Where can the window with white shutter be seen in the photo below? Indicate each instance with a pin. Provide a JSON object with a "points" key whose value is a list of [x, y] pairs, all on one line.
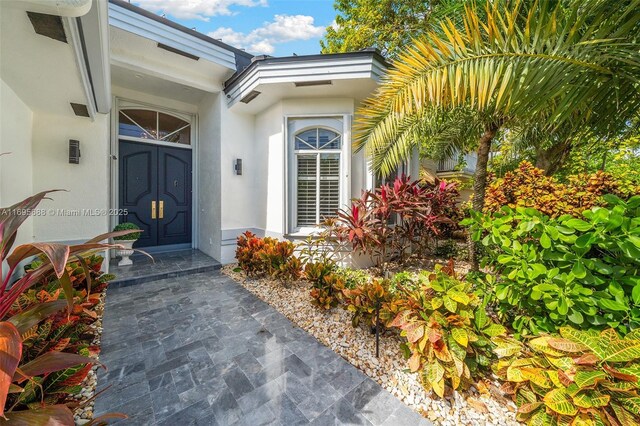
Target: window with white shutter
{"points": [[317, 174]]}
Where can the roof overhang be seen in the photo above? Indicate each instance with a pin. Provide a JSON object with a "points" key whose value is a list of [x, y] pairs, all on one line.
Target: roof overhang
{"points": [[331, 75], [49, 73], [143, 23], [90, 33]]}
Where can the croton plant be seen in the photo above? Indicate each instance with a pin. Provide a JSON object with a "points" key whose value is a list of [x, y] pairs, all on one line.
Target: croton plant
{"points": [[577, 378], [16, 374], [448, 331]]}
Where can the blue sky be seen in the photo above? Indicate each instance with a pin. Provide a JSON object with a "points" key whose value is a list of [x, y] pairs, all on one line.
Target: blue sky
{"points": [[273, 27]]}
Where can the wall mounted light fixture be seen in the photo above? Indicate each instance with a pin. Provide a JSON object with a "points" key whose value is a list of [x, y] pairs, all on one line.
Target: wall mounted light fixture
{"points": [[74, 151]]}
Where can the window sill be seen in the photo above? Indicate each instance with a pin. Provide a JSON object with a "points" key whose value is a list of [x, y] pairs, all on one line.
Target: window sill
{"points": [[304, 233]]}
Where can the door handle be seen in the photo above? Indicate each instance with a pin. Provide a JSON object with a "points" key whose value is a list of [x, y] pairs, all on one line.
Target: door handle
{"points": [[153, 209], [161, 209]]}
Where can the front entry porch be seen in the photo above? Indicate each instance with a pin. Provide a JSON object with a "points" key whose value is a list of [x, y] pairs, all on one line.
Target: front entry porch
{"points": [[164, 265]]}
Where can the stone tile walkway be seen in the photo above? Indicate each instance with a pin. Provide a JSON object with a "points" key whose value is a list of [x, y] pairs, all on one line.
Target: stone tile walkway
{"points": [[202, 350]]}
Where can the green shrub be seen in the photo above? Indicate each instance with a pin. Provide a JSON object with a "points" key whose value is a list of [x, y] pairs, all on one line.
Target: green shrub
{"points": [[126, 226], [352, 277], [552, 272]]}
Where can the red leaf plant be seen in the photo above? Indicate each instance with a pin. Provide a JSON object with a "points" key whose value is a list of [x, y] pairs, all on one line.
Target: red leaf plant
{"points": [[399, 219], [16, 375]]}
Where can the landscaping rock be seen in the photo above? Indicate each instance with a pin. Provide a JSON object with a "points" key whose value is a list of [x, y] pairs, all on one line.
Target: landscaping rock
{"points": [[84, 413]]}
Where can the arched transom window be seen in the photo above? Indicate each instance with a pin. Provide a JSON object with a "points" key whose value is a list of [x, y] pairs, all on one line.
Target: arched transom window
{"points": [[154, 126], [317, 157]]}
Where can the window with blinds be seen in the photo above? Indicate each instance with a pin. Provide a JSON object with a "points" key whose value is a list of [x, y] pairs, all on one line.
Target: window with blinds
{"points": [[317, 153]]}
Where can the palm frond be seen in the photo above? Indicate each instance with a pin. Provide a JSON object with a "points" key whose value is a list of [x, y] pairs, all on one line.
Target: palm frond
{"points": [[511, 61]]}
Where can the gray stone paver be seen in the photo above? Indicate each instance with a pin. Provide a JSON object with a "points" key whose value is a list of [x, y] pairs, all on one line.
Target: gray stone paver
{"points": [[202, 350]]}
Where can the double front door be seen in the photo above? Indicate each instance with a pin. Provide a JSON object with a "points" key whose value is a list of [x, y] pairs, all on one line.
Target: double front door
{"points": [[155, 192]]}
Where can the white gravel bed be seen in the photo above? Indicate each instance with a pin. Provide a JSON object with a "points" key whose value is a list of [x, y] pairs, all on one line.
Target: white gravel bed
{"points": [[83, 414], [357, 345]]}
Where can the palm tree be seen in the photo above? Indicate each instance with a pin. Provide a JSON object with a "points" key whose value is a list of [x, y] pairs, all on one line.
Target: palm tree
{"points": [[571, 63]]}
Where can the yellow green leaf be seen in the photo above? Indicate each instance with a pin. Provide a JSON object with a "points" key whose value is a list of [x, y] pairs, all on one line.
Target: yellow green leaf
{"points": [[566, 345], [494, 330], [450, 304], [537, 376], [436, 302], [541, 344], [435, 372], [590, 341], [438, 388], [506, 347], [460, 336], [622, 351], [588, 378], [459, 297], [414, 362], [559, 401], [632, 404], [591, 399], [563, 363], [624, 416]]}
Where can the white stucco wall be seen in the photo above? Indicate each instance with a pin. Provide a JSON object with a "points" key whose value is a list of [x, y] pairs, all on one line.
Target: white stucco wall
{"points": [[16, 180], [208, 158], [239, 194], [87, 183], [258, 199], [270, 149]]}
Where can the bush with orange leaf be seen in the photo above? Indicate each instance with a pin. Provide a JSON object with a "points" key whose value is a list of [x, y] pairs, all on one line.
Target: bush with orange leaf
{"points": [[267, 256], [527, 186]]}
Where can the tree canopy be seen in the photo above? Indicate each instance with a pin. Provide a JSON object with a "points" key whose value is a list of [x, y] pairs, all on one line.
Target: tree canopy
{"points": [[388, 25]]}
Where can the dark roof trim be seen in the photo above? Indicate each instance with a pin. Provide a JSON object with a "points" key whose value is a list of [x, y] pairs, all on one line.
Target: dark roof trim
{"points": [[233, 81], [239, 61]]}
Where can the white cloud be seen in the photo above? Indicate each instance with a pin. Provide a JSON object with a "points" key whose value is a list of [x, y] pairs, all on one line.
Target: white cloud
{"points": [[282, 29], [196, 9]]}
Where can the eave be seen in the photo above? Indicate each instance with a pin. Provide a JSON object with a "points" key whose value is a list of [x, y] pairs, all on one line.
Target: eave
{"points": [[367, 64], [143, 23]]}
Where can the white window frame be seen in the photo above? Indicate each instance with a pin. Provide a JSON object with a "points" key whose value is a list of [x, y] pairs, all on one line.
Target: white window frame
{"points": [[340, 124], [124, 106]]}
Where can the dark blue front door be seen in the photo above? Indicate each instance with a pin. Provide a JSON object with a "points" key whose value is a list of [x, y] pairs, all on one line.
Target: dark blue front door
{"points": [[155, 190]]}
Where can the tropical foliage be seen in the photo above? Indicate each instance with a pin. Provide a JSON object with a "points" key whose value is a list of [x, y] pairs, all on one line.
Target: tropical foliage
{"points": [[59, 332], [46, 362], [528, 186], [446, 328], [582, 377], [551, 272], [367, 301], [507, 63], [267, 256], [397, 220], [324, 283]]}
